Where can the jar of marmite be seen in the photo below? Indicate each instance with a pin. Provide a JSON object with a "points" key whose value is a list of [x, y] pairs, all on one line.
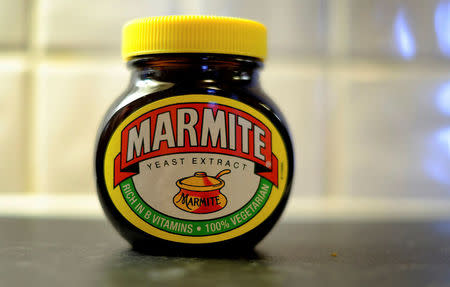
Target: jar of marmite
{"points": [[193, 157]]}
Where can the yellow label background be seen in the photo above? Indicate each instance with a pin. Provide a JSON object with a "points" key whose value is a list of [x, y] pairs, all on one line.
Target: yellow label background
{"points": [[278, 148]]}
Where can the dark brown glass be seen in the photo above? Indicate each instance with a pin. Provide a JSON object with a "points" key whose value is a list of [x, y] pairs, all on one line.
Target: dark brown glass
{"points": [[167, 75]]}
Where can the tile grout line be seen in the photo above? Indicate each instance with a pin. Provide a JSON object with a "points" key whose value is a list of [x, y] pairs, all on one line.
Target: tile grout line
{"points": [[34, 53], [337, 43], [28, 95], [298, 209], [338, 28]]}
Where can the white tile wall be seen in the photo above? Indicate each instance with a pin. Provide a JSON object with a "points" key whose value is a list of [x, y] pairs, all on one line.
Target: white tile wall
{"points": [[91, 25], [359, 130], [13, 23], [71, 101], [299, 93], [13, 150], [294, 27], [393, 136], [400, 29]]}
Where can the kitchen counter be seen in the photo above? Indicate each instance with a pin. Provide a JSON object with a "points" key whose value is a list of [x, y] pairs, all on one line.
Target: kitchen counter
{"points": [[58, 252]]}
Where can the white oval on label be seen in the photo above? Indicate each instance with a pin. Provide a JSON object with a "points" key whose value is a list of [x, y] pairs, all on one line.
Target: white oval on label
{"points": [[156, 181]]}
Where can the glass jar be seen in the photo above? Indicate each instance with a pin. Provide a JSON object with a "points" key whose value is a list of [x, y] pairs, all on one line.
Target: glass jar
{"points": [[194, 157]]}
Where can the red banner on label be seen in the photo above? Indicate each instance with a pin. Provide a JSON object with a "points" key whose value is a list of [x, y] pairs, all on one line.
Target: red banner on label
{"points": [[196, 128]]}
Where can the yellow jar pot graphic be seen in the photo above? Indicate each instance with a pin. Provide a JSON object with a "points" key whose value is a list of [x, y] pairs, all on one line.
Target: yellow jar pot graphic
{"points": [[200, 193]]}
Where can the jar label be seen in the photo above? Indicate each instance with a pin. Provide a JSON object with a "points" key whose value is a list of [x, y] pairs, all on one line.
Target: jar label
{"points": [[196, 168]]}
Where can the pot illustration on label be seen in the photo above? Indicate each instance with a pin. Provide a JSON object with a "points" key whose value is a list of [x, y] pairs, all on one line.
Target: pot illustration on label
{"points": [[200, 193]]}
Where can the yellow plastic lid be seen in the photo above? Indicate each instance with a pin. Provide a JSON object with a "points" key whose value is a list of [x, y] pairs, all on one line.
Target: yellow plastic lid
{"points": [[194, 34]]}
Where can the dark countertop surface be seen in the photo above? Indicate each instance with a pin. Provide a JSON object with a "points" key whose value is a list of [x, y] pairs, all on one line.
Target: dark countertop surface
{"points": [[56, 252]]}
